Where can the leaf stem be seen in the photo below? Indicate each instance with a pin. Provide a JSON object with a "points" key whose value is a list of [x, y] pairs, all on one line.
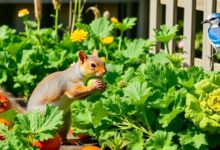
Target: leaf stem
{"points": [[38, 24], [56, 23], [70, 15], [27, 29], [74, 15], [40, 43], [137, 127], [143, 112], [79, 12], [167, 48], [120, 39], [101, 47], [106, 54]]}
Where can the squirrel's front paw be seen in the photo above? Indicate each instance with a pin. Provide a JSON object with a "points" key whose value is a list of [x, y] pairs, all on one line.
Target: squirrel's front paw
{"points": [[98, 85]]}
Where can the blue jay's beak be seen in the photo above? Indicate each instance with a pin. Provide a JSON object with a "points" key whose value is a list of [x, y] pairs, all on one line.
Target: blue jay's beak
{"points": [[205, 21]]}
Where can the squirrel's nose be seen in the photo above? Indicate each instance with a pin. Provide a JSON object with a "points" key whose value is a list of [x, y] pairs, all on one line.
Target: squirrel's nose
{"points": [[104, 71]]}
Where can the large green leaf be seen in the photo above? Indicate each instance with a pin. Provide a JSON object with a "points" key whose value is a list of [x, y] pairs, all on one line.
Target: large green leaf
{"points": [[6, 60], [3, 76], [161, 140], [128, 74], [165, 33], [167, 118], [193, 139], [158, 76], [126, 24], [166, 100], [13, 140], [15, 48], [6, 32], [55, 59], [82, 117], [98, 113], [22, 79], [41, 126], [136, 140], [101, 27], [137, 92], [134, 49]]}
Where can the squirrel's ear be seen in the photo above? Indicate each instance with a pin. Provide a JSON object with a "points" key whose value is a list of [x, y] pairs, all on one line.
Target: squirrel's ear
{"points": [[82, 56], [95, 53]]}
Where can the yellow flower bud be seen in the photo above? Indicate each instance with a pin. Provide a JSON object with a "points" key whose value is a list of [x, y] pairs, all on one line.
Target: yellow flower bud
{"points": [[114, 20], [107, 40], [23, 12]]}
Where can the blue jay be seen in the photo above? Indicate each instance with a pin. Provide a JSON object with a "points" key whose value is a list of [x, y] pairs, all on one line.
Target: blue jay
{"points": [[214, 31]]}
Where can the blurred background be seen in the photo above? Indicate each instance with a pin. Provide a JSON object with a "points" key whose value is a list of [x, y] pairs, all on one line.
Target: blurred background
{"points": [[117, 8]]}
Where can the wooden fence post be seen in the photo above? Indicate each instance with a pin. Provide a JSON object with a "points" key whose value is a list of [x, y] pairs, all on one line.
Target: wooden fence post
{"points": [[209, 7], [189, 31], [171, 17], [155, 19]]}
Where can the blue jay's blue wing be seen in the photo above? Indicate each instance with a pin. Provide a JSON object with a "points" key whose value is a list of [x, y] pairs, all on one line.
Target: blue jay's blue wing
{"points": [[214, 36]]}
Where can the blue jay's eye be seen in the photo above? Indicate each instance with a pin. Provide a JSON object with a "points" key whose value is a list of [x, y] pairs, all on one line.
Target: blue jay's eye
{"points": [[212, 19], [93, 65]]}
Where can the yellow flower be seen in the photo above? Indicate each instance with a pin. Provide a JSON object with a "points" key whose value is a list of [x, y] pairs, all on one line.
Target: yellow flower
{"points": [[114, 20], [102, 58], [78, 35], [107, 40], [23, 12]]}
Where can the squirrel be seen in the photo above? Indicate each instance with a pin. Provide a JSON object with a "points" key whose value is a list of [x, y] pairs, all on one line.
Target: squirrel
{"points": [[63, 87]]}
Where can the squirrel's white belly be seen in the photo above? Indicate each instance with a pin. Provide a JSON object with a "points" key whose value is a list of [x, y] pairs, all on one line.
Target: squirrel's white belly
{"points": [[63, 103]]}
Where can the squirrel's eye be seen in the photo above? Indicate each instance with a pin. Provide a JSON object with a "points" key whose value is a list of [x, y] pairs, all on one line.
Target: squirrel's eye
{"points": [[93, 65]]}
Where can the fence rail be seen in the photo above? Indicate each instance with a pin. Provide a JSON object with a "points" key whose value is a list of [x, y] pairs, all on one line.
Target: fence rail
{"points": [[190, 7]]}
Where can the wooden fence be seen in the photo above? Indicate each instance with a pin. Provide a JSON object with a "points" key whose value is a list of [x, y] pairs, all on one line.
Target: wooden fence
{"points": [[190, 8]]}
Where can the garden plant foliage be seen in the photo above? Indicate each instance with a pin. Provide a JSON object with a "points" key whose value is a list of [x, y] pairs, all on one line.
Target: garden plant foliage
{"points": [[146, 103], [28, 128], [151, 101]]}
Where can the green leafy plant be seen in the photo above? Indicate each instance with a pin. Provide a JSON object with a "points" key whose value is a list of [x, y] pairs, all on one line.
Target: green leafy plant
{"points": [[101, 27], [165, 34], [147, 102], [151, 101], [30, 127], [126, 24], [203, 106], [161, 140]]}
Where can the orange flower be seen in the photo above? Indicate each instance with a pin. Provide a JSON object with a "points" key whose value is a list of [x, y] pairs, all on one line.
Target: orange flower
{"points": [[91, 147], [107, 40], [23, 12], [78, 35], [114, 20], [5, 122]]}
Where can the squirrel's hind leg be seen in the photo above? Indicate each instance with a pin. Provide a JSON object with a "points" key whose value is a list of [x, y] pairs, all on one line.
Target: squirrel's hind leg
{"points": [[63, 131]]}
